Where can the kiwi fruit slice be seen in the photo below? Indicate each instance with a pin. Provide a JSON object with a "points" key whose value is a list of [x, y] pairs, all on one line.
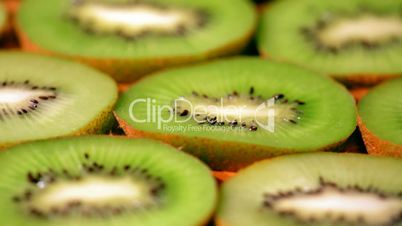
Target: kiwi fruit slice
{"points": [[314, 189], [130, 38], [355, 41], [232, 112], [380, 121], [102, 181], [42, 97]]}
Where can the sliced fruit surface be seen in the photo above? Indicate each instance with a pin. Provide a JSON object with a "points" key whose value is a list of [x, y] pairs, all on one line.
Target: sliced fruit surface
{"points": [[136, 29], [249, 106], [381, 111], [314, 189], [99, 181], [43, 97], [358, 38]]}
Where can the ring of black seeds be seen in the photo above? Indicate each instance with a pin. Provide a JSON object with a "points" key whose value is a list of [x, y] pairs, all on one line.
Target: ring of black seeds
{"points": [[8, 110], [47, 178], [202, 19]]}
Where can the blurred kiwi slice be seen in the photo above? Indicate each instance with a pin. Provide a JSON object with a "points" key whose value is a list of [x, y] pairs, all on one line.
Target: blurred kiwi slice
{"points": [[100, 181], [314, 189], [380, 121], [232, 112], [355, 41], [42, 97], [129, 38]]}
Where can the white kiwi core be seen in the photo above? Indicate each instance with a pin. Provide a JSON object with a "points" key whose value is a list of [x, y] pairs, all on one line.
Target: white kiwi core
{"points": [[20, 95], [334, 204], [367, 29], [133, 19], [94, 191]]}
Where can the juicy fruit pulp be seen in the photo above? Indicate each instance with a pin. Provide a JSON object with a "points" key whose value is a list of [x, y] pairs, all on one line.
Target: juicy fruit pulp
{"points": [[342, 38], [241, 109], [314, 189], [46, 98], [136, 20], [131, 38], [103, 181], [381, 114]]}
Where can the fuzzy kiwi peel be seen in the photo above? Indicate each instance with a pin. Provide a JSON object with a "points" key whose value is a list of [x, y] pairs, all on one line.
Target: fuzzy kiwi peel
{"points": [[232, 140], [379, 119], [100, 180], [314, 189], [336, 38], [136, 51], [42, 99]]}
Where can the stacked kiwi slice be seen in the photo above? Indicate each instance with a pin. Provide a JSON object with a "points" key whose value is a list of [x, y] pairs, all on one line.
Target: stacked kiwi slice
{"points": [[273, 123], [42, 97], [102, 181], [129, 38], [380, 121], [319, 189], [356, 41], [233, 112]]}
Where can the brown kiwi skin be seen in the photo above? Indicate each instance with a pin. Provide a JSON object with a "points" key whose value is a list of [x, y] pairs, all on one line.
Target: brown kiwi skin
{"points": [[363, 79], [213, 152], [376, 145], [130, 70]]}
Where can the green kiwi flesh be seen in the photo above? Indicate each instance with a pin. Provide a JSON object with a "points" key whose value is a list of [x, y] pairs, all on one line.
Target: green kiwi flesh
{"points": [[42, 97], [99, 181], [381, 110], [116, 29], [314, 189], [220, 111], [346, 38]]}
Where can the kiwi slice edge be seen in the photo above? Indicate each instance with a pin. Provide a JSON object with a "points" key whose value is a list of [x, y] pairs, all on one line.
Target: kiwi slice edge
{"points": [[131, 60], [159, 182], [347, 64], [36, 98], [267, 192], [379, 119], [224, 149]]}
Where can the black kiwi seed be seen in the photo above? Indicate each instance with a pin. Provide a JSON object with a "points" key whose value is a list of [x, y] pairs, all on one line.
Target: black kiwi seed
{"points": [[278, 96], [212, 120], [253, 128], [33, 103], [201, 19], [184, 113], [251, 92]]}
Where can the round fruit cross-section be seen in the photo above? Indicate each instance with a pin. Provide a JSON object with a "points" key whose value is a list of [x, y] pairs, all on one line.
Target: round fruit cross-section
{"points": [[314, 189], [380, 114], [356, 41], [232, 112], [41, 97], [102, 181], [130, 38]]}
